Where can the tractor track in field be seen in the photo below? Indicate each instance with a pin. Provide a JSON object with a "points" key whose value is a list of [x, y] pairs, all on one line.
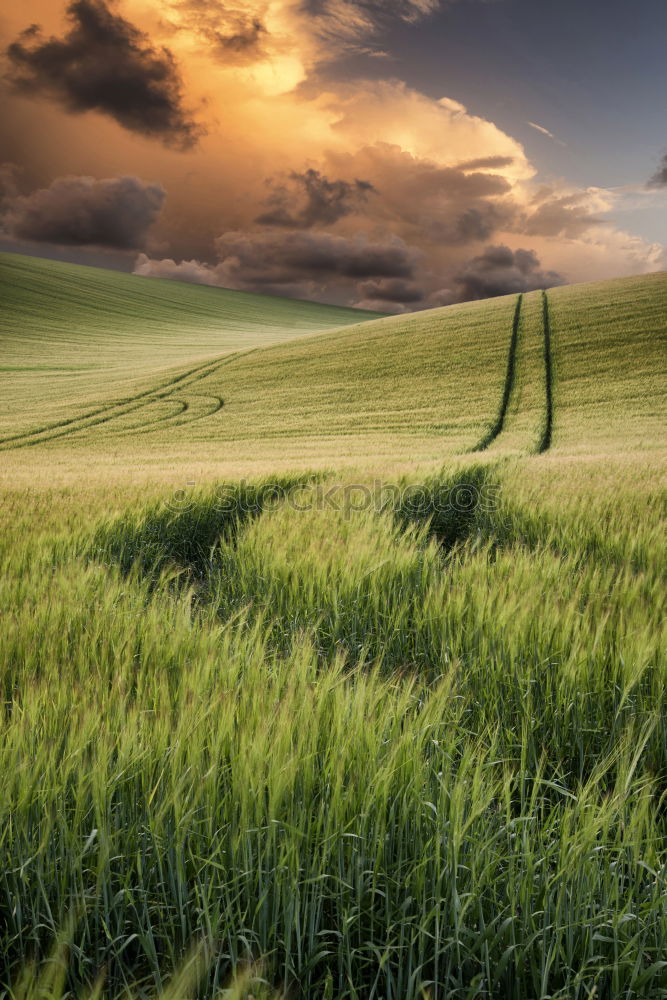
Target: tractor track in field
{"points": [[217, 406], [496, 428], [545, 438], [181, 407], [149, 426], [106, 414], [545, 442], [106, 409]]}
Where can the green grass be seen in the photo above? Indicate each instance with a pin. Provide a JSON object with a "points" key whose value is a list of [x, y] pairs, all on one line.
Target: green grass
{"points": [[373, 394], [287, 737], [107, 333], [610, 364]]}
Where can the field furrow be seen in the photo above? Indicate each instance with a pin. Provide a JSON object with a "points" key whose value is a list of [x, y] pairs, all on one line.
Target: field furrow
{"points": [[545, 442], [116, 412], [525, 417], [496, 428], [111, 410]]}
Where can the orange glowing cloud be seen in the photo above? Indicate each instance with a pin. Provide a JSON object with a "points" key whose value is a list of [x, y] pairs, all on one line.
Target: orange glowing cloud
{"points": [[271, 142]]}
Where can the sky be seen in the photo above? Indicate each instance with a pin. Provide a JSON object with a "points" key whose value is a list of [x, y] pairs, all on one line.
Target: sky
{"points": [[389, 154]]}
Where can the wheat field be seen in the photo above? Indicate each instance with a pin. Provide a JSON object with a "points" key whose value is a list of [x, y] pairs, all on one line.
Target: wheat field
{"points": [[332, 647]]}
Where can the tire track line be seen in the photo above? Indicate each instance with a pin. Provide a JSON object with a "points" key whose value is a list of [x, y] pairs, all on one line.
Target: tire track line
{"points": [[217, 406], [545, 442], [113, 406], [105, 414], [174, 418], [139, 427], [492, 433]]}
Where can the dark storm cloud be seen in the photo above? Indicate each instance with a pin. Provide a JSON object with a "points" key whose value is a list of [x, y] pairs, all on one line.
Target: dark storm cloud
{"points": [[659, 178], [389, 295], [273, 258], [447, 206], [246, 37], [9, 184], [81, 211], [394, 290], [300, 263], [473, 224], [104, 63], [500, 271], [310, 199]]}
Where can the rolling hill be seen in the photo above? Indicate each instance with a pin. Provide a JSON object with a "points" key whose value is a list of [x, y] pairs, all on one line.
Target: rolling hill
{"points": [[71, 334], [332, 659], [579, 369]]}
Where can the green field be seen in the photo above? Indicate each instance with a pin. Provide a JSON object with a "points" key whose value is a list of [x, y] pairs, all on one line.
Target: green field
{"points": [[332, 647], [72, 335]]}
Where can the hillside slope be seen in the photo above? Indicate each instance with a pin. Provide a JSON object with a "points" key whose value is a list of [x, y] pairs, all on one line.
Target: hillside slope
{"points": [[576, 370], [70, 333], [610, 364], [418, 385]]}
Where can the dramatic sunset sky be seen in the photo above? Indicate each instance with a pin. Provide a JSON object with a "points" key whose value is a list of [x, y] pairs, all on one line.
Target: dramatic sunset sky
{"points": [[395, 154]]}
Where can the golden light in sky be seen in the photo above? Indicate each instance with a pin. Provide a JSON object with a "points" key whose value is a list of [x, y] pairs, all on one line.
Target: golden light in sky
{"points": [[250, 118]]}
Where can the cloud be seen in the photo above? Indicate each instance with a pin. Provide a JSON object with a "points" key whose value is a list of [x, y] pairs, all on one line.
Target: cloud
{"points": [[390, 112], [192, 271], [487, 163], [273, 258], [388, 295], [292, 263], [542, 129], [246, 37], [366, 174], [305, 34], [104, 63], [310, 199], [470, 225], [9, 185], [81, 211], [410, 234], [437, 206], [554, 212], [454, 106], [390, 290], [348, 25], [501, 271], [545, 131], [659, 178], [232, 35]]}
